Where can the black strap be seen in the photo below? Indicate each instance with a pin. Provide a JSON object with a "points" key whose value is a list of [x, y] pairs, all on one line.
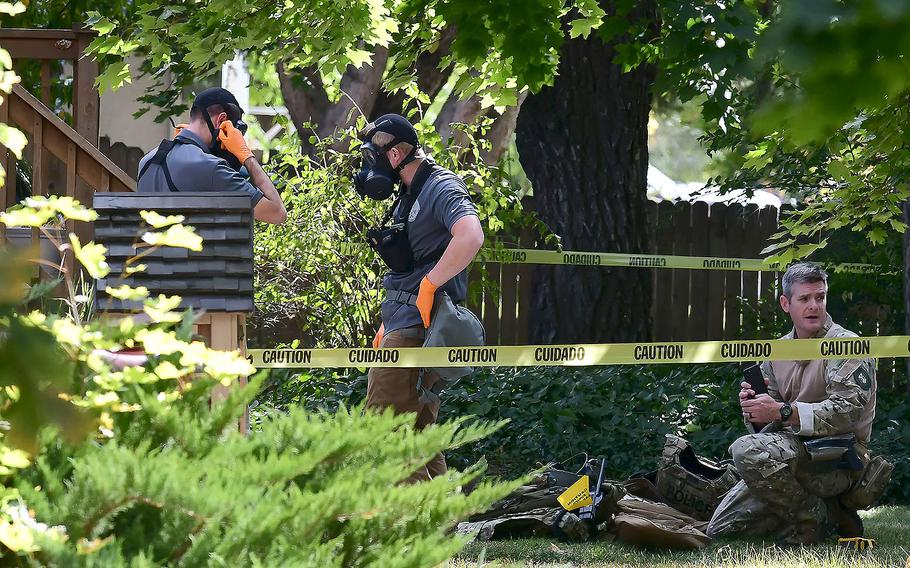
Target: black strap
{"points": [[160, 159], [401, 297]]}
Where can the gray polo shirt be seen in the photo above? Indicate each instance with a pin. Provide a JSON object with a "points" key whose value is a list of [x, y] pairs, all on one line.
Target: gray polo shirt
{"points": [[193, 168], [443, 200]]}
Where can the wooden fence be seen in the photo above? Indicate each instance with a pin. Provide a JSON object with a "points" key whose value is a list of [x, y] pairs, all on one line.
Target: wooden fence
{"points": [[688, 305]]}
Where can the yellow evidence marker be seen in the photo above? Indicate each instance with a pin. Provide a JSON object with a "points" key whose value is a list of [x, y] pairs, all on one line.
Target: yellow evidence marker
{"points": [[577, 496], [857, 543]]}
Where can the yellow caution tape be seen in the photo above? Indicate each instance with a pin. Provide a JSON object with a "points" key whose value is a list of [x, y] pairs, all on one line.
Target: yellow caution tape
{"points": [[582, 355], [578, 258], [576, 496]]}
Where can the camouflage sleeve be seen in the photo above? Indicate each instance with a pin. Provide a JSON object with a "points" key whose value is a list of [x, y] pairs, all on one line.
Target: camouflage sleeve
{"points": [[773, 389], [849, 383]]}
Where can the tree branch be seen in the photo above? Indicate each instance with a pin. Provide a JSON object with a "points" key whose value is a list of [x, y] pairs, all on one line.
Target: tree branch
{"points": [[500, 134]]}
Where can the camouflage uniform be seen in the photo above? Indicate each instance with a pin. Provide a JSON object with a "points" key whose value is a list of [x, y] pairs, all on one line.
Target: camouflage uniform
{"points": [[778, 496]]}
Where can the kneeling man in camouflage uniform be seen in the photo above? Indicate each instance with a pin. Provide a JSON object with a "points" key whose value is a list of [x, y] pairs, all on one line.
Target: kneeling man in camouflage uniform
{"points": [[786, 492]]}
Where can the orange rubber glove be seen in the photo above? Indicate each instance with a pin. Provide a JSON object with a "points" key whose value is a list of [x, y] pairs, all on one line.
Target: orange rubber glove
{"points": [[377, 341], [179, 128], [425, 296], [233, 141]]}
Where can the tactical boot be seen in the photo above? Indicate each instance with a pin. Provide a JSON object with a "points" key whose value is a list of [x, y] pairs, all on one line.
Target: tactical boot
{"points": [[804, 534], [808, 532], [846, 521]]}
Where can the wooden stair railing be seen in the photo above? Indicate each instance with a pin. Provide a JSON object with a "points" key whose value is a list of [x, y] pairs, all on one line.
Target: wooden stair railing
{"points": [[48, 133]]}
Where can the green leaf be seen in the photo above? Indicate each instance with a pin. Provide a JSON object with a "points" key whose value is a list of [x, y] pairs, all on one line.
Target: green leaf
{"points": [[113, 77], [877, 235], [176, 236], [159, 221], [66, 206], [12, 8], [102, 25], [583, 27], [136, 269], [26, 217], [125, 292], [161, 309], [838, 169], [6, 62], [13, 458], [358, 57], [160, 342], [758, 158], [41, 289], [91, 256], [13, 139]]}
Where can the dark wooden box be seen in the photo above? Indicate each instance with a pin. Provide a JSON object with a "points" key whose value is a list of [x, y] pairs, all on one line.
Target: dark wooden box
{"points": [[218, 278]]}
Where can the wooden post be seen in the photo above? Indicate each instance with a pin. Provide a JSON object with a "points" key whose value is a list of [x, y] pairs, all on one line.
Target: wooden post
{"points": [[5, 187], [86, 103], [226, 332], [85, 98], [37, 176], [44, 170]]}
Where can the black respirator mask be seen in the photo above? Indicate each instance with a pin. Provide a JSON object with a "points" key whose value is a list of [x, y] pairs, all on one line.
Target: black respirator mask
{"points": [[217, 149], [377, 178]]}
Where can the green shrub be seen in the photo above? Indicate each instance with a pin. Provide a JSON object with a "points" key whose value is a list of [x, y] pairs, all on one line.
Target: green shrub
{"points": [[175, 487], [619, 412], [310, 287]]}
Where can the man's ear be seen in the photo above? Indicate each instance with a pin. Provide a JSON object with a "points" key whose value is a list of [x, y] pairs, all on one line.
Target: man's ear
{"points": [[394, 156], [785, 304], [221, 117]]}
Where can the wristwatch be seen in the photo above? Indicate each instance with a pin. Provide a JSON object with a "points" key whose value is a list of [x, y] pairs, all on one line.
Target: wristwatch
{"points": [[786, 411]]}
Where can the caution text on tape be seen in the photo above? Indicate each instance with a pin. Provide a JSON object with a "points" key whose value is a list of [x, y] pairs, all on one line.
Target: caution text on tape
{"points": [[576, 258], [607, 259], [587, 354]]}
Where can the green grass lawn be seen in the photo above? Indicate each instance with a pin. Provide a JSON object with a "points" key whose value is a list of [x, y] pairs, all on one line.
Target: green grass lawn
{"points": [[889, 526]]}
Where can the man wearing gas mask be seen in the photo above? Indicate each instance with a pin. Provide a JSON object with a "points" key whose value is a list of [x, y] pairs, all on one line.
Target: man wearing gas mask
{"points": [[207, 155], [430, 234]]}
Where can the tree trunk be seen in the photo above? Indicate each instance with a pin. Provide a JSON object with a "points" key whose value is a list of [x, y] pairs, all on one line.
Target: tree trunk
{"points": [[308, 104], [906, 207], [312, 112], [583, 143], [430, 78], [500, 134]]}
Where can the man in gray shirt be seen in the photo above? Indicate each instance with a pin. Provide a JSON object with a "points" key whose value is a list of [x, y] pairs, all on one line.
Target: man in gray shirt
{"points": [[443, 233], [198, 158]]}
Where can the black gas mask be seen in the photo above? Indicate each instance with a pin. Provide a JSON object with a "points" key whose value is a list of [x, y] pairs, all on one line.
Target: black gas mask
{"points": [[377, 178]]}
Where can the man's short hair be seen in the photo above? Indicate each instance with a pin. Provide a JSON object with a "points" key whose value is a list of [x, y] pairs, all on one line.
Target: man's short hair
{"points": [[801, 272], [233, 111], [381, 138]]}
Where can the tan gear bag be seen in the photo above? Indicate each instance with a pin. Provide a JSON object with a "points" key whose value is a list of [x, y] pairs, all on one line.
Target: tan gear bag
{"points": [[645, 523]]}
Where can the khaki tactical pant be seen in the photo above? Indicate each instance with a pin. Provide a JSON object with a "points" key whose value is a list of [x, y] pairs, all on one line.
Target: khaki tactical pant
{"points": [[776, 494], [396, 387]]}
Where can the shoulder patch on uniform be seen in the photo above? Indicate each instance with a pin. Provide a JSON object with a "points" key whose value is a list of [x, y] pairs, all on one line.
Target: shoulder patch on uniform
{"points": [[414, 211], [862, 378]]}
